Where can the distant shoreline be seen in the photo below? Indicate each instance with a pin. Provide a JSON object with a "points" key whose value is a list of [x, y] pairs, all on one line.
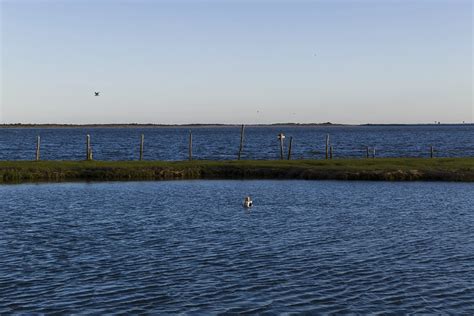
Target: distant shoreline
{"points": [[199, 125]]}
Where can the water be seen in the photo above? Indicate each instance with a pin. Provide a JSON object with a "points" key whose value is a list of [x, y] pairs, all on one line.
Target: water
{"points": [[223, 142], [189, 247]]}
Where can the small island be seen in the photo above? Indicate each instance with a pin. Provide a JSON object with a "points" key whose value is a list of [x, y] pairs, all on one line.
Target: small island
{"points": [[388, 169]]}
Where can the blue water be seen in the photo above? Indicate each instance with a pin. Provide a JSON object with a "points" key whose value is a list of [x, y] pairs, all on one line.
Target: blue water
{"points": [[189, 247], [223, 142]]}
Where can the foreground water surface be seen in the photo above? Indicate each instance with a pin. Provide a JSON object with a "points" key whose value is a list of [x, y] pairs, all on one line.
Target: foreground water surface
{"points": [[218, 143], [189, 246]]}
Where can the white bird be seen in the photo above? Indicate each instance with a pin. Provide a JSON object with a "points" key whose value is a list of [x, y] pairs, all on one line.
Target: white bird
{"points": [[248, 202]]}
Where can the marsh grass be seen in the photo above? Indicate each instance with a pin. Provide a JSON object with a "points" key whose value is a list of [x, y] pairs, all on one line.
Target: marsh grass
{"points": [[448, 169]]}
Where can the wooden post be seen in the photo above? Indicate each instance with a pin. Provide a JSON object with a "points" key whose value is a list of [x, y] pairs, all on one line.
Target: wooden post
{"points": [[281, 148], [373, 153], [88, 147], [142, 143], [327, 146], [241, 141], [431, 151], [367, 153], [38, 144], [281, 137], [330, 152], [289, 147], [190, 149]]}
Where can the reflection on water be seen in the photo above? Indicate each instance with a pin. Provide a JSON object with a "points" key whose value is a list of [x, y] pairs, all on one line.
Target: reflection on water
{"points": [[190, 246]]}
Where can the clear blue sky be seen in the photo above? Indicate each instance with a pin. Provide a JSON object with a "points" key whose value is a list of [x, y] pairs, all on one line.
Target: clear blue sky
{"points": [[179, 61]]}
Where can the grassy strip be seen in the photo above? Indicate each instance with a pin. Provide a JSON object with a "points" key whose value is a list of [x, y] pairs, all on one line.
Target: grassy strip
{"points": [[444, 169]]}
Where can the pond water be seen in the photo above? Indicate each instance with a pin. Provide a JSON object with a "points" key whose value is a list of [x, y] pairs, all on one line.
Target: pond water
{"points": [[219, 143], [190, 247]]}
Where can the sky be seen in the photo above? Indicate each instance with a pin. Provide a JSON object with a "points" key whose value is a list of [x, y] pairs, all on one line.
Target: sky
{"points": [[234, 62]]}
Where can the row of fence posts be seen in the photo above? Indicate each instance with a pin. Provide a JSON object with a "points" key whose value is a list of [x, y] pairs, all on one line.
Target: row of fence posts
{"points": [[281, 137]]}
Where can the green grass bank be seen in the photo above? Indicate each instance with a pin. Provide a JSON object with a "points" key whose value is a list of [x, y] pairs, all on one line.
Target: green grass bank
{"points": [[396, 169]]}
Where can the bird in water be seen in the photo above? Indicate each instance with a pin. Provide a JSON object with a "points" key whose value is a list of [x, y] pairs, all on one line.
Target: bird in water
{"points": [[248, 203], [96, 94]]}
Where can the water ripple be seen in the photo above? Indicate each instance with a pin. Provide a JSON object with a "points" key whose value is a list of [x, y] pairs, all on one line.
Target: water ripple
{"points": [[306, 247]]}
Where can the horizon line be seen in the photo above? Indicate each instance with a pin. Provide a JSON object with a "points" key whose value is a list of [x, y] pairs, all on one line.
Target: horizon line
{"points": [[325, 124]]}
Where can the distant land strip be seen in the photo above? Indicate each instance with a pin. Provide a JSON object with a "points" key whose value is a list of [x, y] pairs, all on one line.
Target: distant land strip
{"points": [[137, 125], [387, 169]]}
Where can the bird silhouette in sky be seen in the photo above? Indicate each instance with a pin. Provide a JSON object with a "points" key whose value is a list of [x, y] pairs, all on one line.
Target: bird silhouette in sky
{"points": [[96, 94]]}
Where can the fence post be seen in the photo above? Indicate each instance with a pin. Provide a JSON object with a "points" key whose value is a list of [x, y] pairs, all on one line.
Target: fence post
{"points": [[88, 147], [241, 141], [431, 151], [281, 137], [289, 147], [190, 146], [330, 152], [327, 146], [367, 153], [373, 153], [38, 144], [142, 143]]}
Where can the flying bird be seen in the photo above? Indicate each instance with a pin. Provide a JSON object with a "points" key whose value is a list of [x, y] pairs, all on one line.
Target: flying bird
{"points": [[96, 94]]}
